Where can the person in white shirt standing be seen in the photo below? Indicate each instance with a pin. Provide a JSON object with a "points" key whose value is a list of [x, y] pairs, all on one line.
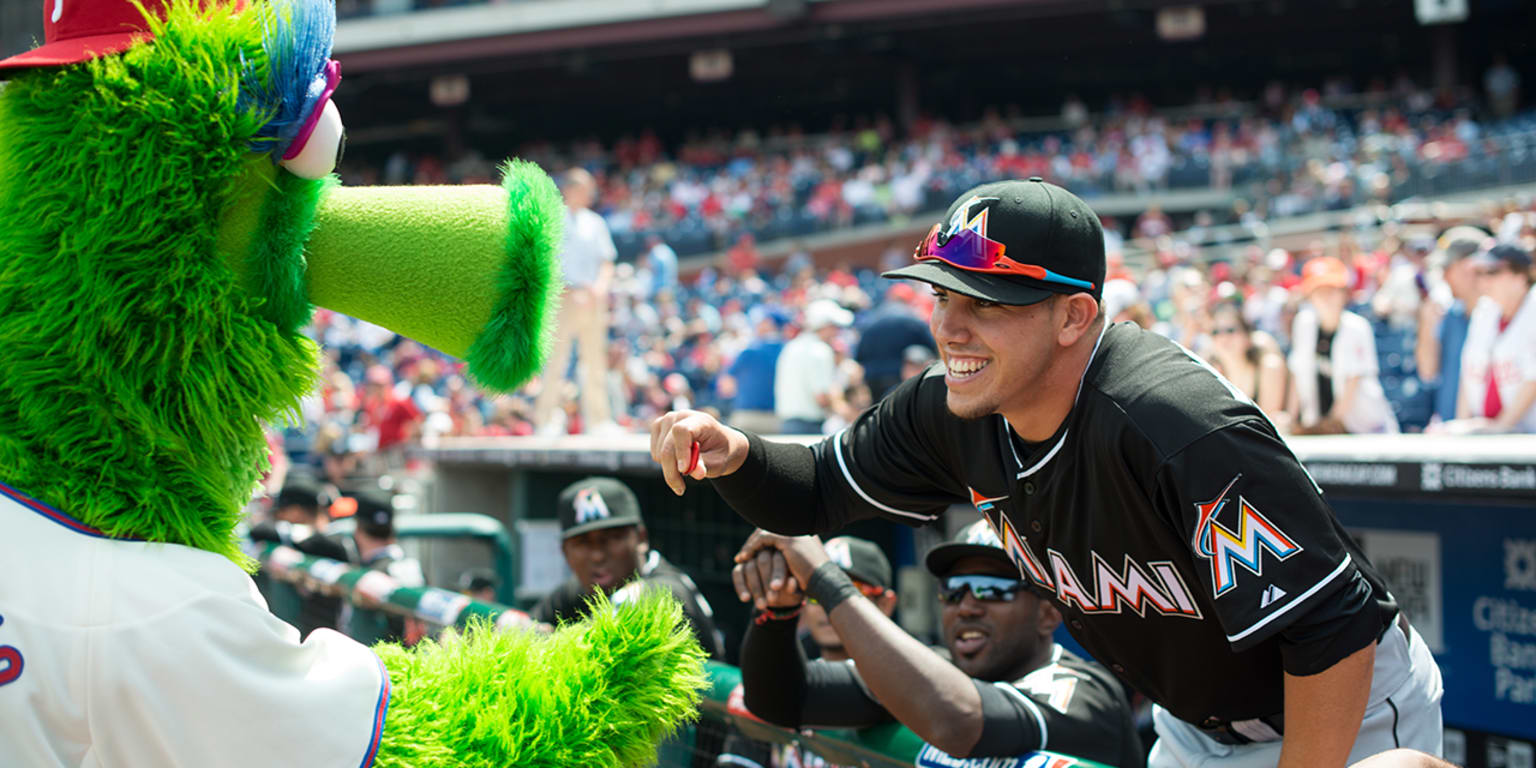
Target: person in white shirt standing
{"points": [[587, 257], [1498, 362], [1333, 359], [805, 383]]}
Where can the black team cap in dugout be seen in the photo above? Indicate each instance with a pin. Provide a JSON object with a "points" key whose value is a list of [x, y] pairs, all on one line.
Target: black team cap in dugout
{"points": [[1037, 223], [978, 538], [862, 560], [375, 510], [594, 503]]}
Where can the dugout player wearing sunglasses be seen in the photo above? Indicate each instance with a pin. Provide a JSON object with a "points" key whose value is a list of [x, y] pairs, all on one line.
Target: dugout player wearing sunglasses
{"points": [[1185, 545], [1034, 693]]}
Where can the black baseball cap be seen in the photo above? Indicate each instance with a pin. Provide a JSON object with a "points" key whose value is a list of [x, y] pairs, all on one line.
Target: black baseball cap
{"points": [[298, 494], [862, 560], [594, 503], [1037, 223], [978, 538], [1515, 257], [375, 509]]}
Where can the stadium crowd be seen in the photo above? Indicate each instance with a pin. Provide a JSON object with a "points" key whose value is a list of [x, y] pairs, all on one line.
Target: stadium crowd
{"points": [[716, 342], [1288, 152]]}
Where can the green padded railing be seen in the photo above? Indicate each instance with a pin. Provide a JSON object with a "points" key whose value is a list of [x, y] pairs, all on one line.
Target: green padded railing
{"points": [[883, 746]]}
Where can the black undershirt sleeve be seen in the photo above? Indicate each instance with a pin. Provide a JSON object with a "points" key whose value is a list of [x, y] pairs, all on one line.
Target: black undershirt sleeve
{"points": [[1076, 713], [775, 489], [1007, 725], [780, 686]]}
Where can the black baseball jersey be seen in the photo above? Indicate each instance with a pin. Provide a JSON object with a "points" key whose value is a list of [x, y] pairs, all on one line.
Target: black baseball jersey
{"points": [[568, 602], [1185, 545], [1067, 705]]}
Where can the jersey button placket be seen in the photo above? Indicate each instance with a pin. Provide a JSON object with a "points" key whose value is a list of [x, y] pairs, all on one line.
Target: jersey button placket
{"points": [[1034, 525]]}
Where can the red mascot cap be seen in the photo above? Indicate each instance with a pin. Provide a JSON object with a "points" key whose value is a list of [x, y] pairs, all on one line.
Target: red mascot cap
{"points": [[79, 30]]}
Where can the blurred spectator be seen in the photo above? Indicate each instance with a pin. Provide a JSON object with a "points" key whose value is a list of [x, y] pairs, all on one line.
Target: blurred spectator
{"points": [[1502, 83], [1498, 363], [742, 257], [478, 584], [916, 359], [377, 550], [300, 522], [806, 388], [392, 418], [1333, 359], [1251, 360], [657, 267], [1444, 317], [751, 376], [587, 257], [887, 332]]}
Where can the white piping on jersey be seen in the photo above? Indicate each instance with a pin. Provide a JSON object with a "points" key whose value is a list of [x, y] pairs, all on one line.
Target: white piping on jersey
{"points": [[1294, 602], [1063, 441], [1034, 710], [737, 760], [837, 442]]}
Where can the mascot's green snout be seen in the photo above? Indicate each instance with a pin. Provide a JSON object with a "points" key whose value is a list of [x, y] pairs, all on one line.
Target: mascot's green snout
{"points": [[167, 222]]}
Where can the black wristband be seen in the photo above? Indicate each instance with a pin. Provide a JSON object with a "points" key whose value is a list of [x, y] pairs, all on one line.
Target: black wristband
{"points": [[830, 586]]}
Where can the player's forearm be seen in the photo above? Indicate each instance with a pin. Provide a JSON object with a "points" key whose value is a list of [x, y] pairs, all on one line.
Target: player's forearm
{"points": [[925, 693], [773, 673], [1323, 712]]}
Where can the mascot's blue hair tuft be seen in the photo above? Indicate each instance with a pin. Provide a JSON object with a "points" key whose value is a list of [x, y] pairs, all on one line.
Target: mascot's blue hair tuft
{"points": [[297, 38]]}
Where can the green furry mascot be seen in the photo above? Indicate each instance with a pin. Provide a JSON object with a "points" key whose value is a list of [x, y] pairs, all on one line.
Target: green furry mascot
{"points": [[167, 219]]}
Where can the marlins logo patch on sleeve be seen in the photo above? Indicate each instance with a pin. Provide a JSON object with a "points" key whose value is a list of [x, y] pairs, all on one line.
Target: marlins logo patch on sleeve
{"points": [[1227, 548]]}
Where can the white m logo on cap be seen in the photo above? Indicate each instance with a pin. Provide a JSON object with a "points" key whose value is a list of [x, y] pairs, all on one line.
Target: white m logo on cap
{"points": [[838, 552], [590, 506]]}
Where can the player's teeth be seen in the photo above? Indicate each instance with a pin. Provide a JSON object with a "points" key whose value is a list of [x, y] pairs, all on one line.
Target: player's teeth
{"points": [[966, 367]]}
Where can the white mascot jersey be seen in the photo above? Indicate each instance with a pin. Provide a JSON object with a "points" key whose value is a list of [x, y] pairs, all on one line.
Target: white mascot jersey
{"points": [[126, 653]]}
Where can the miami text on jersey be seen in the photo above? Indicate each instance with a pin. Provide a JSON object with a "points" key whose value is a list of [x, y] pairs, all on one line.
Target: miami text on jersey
{"points": [[1158, 584], [1226, 548]]}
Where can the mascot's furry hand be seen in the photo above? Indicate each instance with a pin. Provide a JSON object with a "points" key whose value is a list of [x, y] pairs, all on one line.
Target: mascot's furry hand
{"points": [[167, 218]]}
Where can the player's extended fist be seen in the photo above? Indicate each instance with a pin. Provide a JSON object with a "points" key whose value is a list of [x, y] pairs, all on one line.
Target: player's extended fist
{"points": [[771, 568], [695, 444]]}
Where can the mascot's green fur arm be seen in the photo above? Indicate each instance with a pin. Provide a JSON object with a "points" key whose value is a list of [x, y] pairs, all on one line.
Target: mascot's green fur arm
{"points": [[600, 693], [122, 399]]}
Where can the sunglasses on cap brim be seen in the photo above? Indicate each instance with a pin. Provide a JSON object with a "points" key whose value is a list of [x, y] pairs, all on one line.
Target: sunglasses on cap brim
{"points": [[988, 589], [973, 252]]}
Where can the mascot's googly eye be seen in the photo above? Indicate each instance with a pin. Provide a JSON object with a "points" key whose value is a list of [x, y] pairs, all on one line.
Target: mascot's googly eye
{"points": [[322, 150]]}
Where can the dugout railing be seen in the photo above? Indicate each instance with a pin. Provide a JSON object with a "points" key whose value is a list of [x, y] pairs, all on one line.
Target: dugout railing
{"points": [[721, 711]]}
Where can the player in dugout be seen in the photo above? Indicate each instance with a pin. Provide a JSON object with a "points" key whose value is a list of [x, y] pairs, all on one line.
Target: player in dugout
{"points": [[871, 571], [1033, 693], [607, 547], [1183, 542]]}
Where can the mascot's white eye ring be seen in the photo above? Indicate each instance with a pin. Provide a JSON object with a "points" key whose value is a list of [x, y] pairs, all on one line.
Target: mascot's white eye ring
{"points": [[322, 151]]}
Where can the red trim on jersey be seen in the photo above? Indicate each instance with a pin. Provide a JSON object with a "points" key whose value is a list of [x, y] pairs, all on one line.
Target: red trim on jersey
{"points": [[379, 710], [54, 514]]}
